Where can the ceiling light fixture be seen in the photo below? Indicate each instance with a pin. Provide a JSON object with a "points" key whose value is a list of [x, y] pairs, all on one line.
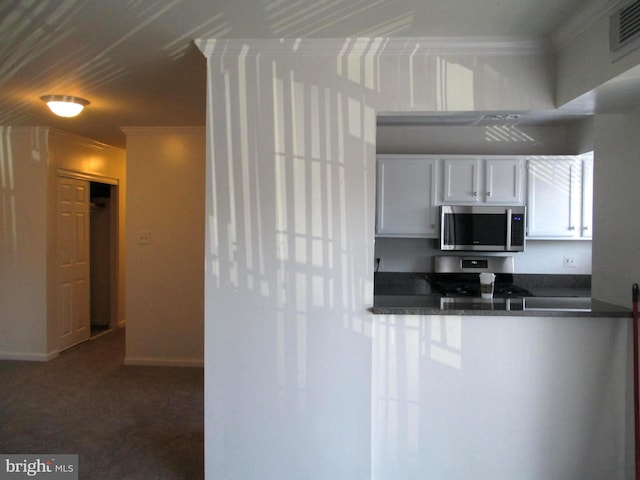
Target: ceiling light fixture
{"points": [[65, 105]]}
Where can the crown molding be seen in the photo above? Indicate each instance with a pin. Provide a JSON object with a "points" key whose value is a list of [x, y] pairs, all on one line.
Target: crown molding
{"points": [[80, 140], [376, 46], [163, 130]]}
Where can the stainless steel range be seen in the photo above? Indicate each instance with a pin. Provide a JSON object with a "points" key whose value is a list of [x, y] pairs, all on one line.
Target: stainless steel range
{"points": [[458, 276]]}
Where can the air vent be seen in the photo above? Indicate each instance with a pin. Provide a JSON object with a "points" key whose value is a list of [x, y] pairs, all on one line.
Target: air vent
{"points": [[624, 33]]}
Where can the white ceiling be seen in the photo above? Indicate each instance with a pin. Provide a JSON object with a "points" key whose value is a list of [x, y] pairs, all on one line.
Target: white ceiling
{"points": [[136, 63]]}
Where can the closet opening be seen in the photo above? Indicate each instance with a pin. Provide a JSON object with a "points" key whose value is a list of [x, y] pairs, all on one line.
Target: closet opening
{"points": [[103, 257]]}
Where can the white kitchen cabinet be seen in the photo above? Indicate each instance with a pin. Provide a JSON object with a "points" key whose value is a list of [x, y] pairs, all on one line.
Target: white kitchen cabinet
{"points": [[559, 197], [476, 180], [406, 196]]}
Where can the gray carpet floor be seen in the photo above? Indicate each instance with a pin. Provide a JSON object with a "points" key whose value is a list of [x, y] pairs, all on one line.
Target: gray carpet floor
{"points": [[124, 422]]}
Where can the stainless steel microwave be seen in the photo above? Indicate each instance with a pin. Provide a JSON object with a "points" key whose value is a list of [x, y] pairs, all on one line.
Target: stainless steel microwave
{"points": [[482, 228]]}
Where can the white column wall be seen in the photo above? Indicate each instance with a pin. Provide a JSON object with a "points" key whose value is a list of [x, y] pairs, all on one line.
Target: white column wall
{"points": [[616, 251], [289, 236]]}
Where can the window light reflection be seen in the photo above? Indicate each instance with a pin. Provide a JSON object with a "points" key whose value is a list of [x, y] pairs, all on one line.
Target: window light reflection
{"points": [[446, 340]]}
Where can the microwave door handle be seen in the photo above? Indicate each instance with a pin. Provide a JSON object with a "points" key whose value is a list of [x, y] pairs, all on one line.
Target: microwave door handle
{"points": [[509, 217]]}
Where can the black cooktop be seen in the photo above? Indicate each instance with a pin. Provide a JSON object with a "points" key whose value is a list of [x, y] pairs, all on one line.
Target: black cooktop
{"points": [[468, 285]]}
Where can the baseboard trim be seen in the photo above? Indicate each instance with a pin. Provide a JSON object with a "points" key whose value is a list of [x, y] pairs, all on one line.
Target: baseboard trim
{"points": [[164, 362], [29, 357]]}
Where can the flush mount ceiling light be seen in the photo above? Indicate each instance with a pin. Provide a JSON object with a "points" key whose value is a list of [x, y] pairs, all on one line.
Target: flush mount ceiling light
{"points": [[65, 105]]}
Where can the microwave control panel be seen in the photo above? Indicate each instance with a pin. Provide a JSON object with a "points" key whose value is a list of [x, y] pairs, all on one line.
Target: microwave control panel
{"points": [[517, 229]]}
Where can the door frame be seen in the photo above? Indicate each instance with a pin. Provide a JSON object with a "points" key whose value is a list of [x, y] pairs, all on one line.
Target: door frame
{"points": [[114, 231]]}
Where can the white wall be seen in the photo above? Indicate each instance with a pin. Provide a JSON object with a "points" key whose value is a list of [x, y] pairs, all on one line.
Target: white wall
{"points": [[29, 159], [24, 164], [290, 235], [616, 249], [164, 308]]}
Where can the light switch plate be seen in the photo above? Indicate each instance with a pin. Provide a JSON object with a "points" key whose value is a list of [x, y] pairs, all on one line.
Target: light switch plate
{"points": [[144, 238]]}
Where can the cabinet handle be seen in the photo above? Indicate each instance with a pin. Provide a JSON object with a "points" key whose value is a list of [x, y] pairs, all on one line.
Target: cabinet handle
{"points": [[585, 228], [488, 194], [475, 194], [572, 227]]}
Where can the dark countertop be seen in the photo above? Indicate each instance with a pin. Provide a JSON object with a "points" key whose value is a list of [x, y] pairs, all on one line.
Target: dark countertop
{"points": [[554, 295], [435, 304]]}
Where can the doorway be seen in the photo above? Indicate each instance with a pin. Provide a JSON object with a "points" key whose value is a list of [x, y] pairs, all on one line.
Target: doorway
{"points": [[87, 258], [102, 256]]}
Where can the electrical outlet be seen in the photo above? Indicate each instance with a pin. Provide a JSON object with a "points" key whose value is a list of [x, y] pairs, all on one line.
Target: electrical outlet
{"points": [[569, 260], [144, 238]]}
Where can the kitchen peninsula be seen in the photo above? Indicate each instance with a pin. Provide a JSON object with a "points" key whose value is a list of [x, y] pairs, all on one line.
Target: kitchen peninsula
{"points": [[530, 386]]}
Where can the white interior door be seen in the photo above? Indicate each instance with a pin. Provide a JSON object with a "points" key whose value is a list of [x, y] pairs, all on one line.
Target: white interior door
{"points": [[73, 305]]}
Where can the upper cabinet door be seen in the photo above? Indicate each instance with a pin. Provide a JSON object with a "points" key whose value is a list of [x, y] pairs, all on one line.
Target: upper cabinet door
{"points": [[461, 180], [503, 181], [554, 197], [470, 180], [406, 196]]}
